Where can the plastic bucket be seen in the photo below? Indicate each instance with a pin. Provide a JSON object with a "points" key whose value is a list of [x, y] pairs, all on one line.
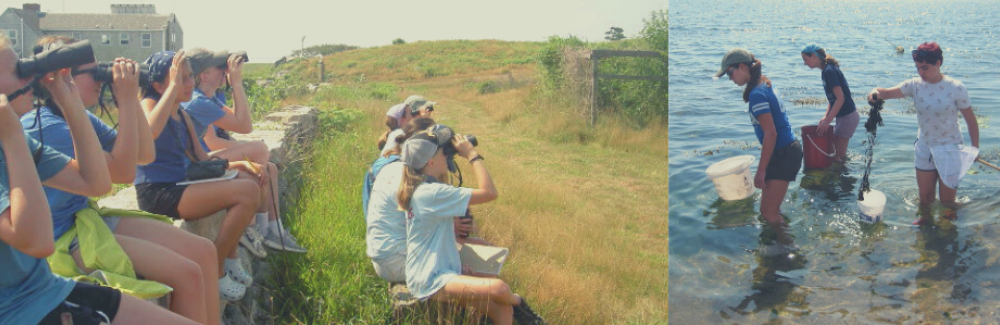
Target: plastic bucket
{"points": [[872, 206], [814, 148], [732, 177]]}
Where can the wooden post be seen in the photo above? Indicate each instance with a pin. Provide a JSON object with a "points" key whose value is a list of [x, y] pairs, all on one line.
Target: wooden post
{"points": [[322, 73], [593, 92]]}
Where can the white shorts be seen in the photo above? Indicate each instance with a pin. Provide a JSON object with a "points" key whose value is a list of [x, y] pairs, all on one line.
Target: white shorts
{"points": [[923, 160], [392, 269]]}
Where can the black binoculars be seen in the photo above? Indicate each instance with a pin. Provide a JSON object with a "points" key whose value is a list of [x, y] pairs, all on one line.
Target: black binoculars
{"points": [[104, 73], [58, 58]]}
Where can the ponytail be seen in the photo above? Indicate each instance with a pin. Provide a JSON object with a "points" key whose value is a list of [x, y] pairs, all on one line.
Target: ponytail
{"points": [[756, 78], [411, 179], [826, 59]]}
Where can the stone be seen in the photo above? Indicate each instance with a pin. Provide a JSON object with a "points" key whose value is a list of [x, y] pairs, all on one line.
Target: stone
{"points": [[295, 125]]}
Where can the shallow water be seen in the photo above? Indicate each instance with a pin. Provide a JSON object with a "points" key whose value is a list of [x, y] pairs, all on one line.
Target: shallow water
{"points": [[723, 267]]}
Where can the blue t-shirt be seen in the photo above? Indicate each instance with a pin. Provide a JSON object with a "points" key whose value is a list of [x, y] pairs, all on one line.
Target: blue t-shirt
{"points": [[764, 100], [171, 161], [55, 131], [833, 77], [204, 110], [28, 289], [431, 255]]}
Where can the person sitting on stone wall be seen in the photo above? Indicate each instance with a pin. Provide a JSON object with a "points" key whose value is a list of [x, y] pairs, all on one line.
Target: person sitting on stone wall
{"points": [[171, 83], [210, 114], [29, 292], [156, 250]]}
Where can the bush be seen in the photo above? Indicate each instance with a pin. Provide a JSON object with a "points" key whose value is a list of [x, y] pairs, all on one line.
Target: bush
{"points": [[325, 49], [398, 41], [567, 73]]}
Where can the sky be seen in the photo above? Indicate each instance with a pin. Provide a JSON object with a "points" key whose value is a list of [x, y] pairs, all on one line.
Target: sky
{"points": [[269, 30]]}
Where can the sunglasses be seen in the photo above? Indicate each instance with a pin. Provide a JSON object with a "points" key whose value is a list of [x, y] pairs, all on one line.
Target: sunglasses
{"points": [[922, 55], [430, 108]]}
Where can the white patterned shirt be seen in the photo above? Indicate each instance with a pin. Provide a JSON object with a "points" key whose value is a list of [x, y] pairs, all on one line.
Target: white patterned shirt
{"points": [[937, 108]]}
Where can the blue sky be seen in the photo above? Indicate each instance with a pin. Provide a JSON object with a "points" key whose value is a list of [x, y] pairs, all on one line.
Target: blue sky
{"points": [[271, 29]]}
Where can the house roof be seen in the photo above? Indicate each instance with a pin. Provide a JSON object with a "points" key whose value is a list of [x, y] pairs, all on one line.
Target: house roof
{"points": [[20, 13], [53, 21]]}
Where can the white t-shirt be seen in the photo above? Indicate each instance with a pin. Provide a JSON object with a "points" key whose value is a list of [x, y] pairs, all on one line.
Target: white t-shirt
{"points": [[937, 108], [431, 256], [391, 141], [386, 234]]}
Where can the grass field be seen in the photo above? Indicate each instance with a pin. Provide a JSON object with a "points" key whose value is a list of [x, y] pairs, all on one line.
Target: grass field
{"points": [[583, 210]]}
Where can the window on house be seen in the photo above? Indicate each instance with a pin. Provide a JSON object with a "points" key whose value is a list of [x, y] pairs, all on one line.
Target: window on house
{"points": [[147, 40], [12, 35], [173, 38], [124, 38], [105, 39], [78, 36]]}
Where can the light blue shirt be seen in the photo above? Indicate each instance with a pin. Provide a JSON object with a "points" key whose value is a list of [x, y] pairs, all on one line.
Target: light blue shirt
{"points": [[64, 205], [432, 255], [28, 289], [386, 235]]}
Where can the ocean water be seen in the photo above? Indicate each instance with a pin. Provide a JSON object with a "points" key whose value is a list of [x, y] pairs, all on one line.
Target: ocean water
{"points": [[722, 269]]}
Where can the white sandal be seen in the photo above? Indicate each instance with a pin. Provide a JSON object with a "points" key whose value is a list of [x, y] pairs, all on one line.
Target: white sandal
{"points": [[230, 290], [239, 275]]}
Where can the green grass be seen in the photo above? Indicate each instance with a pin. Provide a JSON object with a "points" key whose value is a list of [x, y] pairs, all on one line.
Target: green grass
{"points": [[333, 283], [582, 209]]}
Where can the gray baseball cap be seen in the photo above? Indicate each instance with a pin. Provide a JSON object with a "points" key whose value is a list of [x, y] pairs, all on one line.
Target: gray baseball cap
{"points": [[732, 57], [421, 147], [416, 102], [201, 59]]}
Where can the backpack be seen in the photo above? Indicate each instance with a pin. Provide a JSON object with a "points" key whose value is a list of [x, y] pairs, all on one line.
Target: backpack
{"points": [[366, 189]]}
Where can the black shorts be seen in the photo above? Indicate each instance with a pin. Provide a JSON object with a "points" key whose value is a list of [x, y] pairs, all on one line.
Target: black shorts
{"points": [[785, 162], [160, 198], [87, 305]]}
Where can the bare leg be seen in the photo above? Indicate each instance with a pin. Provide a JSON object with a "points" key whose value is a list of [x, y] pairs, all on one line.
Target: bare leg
{"points": [[240, 196], [840, 146], [133, 310], [193, 247], [489, 294], [926, 187], [257, 152], [162, 265], [770, 201]]}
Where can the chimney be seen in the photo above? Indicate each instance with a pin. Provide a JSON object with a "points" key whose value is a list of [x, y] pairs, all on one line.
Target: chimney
{"points": [[31, 14]]}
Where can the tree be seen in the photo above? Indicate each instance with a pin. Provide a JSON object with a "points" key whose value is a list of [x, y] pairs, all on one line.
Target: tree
{"points": [[398, 41], [614, 34]]}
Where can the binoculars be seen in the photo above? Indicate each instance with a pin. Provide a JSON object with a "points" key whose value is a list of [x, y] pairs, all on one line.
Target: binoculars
{"points": [[104, 73], [59, 58]]}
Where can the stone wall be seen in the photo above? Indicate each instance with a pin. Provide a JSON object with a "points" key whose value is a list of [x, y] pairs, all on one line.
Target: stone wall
{"points": [[288, 133]]}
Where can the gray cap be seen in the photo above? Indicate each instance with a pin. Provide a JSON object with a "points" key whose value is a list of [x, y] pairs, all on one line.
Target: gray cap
{"points": [[201, 59], [416, 102], [732, 57], [421, 147]]}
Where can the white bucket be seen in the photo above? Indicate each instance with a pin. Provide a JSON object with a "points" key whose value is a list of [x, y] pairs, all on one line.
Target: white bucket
{"points": [[872, 206], [732, 177]]}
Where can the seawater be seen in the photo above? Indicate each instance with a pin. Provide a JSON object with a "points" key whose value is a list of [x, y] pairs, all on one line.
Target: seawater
{"points": [[722, 265]]}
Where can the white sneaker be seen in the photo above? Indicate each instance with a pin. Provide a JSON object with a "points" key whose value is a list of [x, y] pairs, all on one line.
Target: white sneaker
{"points": [[230, 290], [253, 242], [283, 241]]}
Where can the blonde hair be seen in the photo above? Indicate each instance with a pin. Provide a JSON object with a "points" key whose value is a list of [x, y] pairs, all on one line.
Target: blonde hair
{"points": [[4, 42], [412, 178]]}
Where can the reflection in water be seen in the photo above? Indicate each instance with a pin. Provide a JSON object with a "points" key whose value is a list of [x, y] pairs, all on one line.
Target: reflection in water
{"points": [[779, 267], [834, 181], [938, 283]]}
